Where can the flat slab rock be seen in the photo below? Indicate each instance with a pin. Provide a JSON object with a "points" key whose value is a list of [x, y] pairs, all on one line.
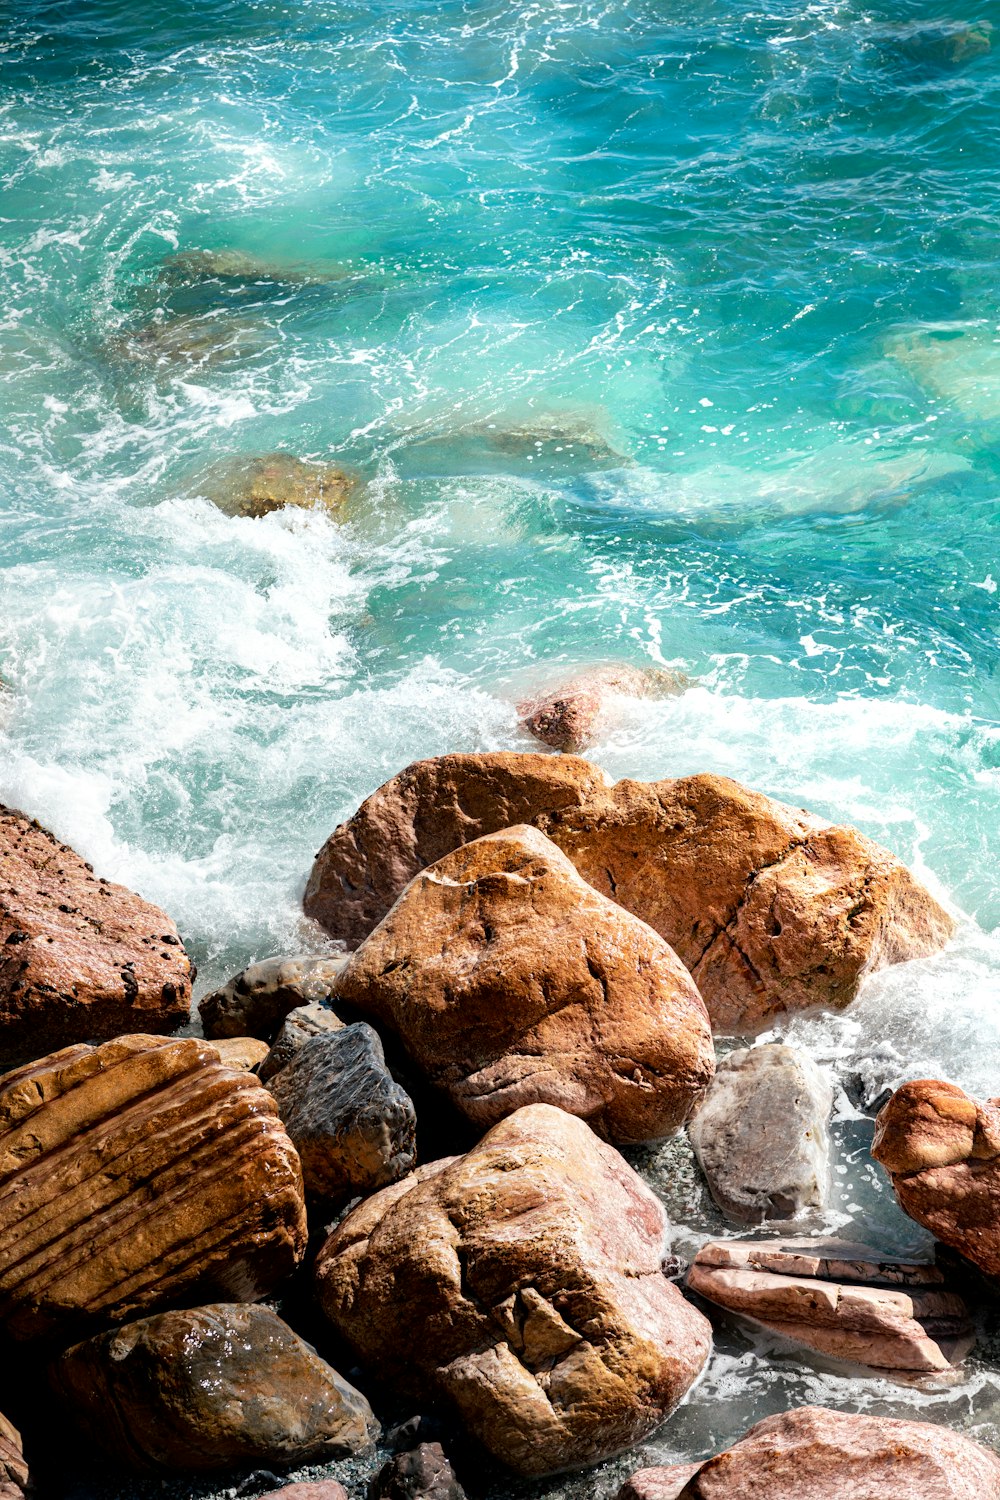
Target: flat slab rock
{"points": [[81, 959], [531, 1268], [840, 1299], [210, 1388], [256, 1001], [816, 1454], [135, 1173]]}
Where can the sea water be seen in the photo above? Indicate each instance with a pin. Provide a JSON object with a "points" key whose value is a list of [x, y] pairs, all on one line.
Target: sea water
{"points": [[664, 333]]}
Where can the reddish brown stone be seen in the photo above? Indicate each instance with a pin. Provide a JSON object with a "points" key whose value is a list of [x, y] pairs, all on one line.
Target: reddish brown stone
{"points": [[566, 717]]}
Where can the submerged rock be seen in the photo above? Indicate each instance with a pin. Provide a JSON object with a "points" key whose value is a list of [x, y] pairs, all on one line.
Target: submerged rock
{"points": [[840, 1299], [816, 1454], [531, 1269], [189, 342], [210, 1388], [256, 1001], [422, 1474], [761, 1135], [245, 267], [136, 1173], [13, 1469], [80, 959], [256, 486], [296, 1029], [510, 981], [566, 717]]}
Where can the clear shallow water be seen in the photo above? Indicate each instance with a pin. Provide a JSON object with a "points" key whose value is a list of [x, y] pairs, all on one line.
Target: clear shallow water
{"points": [[659, 333]]}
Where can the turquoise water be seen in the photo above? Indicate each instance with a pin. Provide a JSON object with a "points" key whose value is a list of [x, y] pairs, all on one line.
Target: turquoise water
{"points": [[665, 333]]}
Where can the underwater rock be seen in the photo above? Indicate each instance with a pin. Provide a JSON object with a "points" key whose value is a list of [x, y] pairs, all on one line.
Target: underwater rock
{"points": [[941, 1150], [761, 1136], [244, 267], [510, 981], [351, 1123], [81, 959], [135, 1173], [566, 717], [422, 1474], [241, 1052], [256, 1001], [817, 1454], [188, 342], [959, 363], [209, 1388], [296, 1029], [13, 1469], [531, 1268], [256, 486], [840, 1299]]}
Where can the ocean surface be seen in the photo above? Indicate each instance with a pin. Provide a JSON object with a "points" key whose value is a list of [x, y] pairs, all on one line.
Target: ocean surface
{"points": [[660, 333]]}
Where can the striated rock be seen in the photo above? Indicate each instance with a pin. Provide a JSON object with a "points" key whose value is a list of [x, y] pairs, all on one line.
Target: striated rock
{"points": [[80, 959], [352, 1125], [255, 486], [298, 1026], [761, 1136], [816, 1454], [511, 981], [209, 1388], [531, 1267], [942, 1152], [244, 1053], [840, 1299], [13, 1469], [422, 1474], [566, 717], [256, 1001], [135, 1173]]}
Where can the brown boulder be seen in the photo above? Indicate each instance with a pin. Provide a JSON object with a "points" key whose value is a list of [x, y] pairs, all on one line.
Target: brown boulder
{"points": [[816, 1454], [531, 1267], [510, 981], [942, 1152], [210, 1388], [80, 959], [566, 717], [256, 1001], [135, 1173], [13, 1469], [258, 485]]}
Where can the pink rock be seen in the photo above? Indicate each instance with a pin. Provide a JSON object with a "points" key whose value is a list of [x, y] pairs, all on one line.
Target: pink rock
{"points": [[317, 1489]]}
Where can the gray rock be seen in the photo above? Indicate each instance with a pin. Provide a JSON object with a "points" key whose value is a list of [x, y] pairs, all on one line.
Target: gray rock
{"points": [[351, 1123], [257, 1000], [298, 1026], [422, 1474], [761, 1135]]}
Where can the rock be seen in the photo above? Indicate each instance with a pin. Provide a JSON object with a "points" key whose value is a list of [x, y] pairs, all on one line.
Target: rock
{"points": [[80, 959], [353, 1126], [242, 267], [531, 1267], [137, 1173], [255, 486], [422, 1474], [816, 1454], [668, 1483], [942, 1152], [256, 1001], [244, 1053], [317, 1489], [761, 1136], [566, 717], [510, 981], [210, 1388], [182, 343], [298, 1026], [840, 1299], [13, 1469]]}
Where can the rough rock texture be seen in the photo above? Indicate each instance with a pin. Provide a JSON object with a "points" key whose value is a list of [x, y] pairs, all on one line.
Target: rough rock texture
{"points": [[531, 1267], [209, 1388], [422, 1474], [566, 717], [424, 813], [316, 1489], [511, 981], [256, 1001], [298, 1026], [771, 909], [244, 1053], [761, 1134], [816, 1454], [659, 1484], [840, 1299], [256, 486], [135, 1173], [352, 1125], [942, 1152], [13, 1469], [80, 959]]}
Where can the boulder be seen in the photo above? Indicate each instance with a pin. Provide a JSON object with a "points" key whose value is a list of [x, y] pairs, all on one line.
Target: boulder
{"points": [[841, 1299], [297, 1027], [567, 717], [80, 959], [316, 1489], [13, 1469], [244, 1053], [422, 1474], [531, 1268], [136, 1173], [353, 1126], [510, 981], [816, 1454], [256, 1001], [255, 486], [761, 1135], [942, 1152], [210, 1388]]}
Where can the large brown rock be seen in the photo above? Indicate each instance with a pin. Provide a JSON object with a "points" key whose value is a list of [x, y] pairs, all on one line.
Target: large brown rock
{"points": [[135, 1173], [567, 716], [13, 1469], [531, 1268], [816, 1454], [80, 959], [511, 981], [210, 1388], [942, 1152]]}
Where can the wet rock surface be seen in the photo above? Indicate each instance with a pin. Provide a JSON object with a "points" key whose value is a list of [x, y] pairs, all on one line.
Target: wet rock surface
{"points": [[296, 1029], [567, 717], [136, 1173], [423, 1473], [532, 1268], [81, 959], [257, 485], [209, 1388], [244, 1053], [256, 1001]]}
